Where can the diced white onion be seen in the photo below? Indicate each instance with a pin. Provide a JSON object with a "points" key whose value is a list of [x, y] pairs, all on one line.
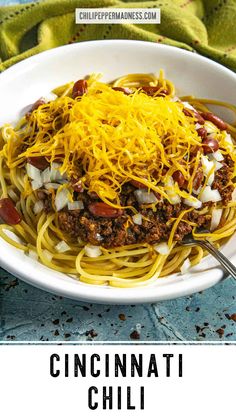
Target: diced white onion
{"points": [[76, 205], [193, 202], [62, 247], [210, 128], [36, 184], [175, 99], [33, 255], [197, 191], [207, 167], [55, 166], [52, 185], [215, 219], [62, 181], [186, 266], [188, 106], [38, 207], [55, 173], [218, 156], [162, 248], [174, 198], [218, 166], [92, 251], [210, 195], [49, 97], [52, 174], [33, 172], [61, 199], [228, 140], [46, 175], [234, 195], [48, 255], [216, 162], [198, 126], [137, 219], [145, 197]]}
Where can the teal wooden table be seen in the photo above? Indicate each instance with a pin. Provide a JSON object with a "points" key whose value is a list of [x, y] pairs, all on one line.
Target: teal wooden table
{"points": [[28, 314]]}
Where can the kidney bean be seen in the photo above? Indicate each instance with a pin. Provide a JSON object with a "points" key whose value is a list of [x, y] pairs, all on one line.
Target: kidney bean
{"points": [[38, 103], [208, 116], [80, 88], [210, 145], [125, 90], [151, 90], [198, 179], [8, 212], [199, 118], [40, 162], [35, 106], [202, 132], [187, 112], [138, 184], [100, 209], [179, 178]]}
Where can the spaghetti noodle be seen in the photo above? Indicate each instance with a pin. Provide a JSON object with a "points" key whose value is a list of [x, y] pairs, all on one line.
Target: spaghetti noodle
{"points": [[103, 181]]}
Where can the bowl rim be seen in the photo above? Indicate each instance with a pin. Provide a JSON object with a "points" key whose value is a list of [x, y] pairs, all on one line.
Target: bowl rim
{"points": [[111, 295], [76, 45]]}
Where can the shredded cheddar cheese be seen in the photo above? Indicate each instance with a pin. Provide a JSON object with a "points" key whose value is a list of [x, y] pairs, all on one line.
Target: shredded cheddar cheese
{"points": [[112, 138]]}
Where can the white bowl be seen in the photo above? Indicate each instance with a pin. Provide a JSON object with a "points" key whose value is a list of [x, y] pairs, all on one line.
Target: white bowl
{"points": [[25, 82]]}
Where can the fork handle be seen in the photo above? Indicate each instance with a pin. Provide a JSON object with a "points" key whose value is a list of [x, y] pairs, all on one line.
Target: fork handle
{"points": [[229, 267]]}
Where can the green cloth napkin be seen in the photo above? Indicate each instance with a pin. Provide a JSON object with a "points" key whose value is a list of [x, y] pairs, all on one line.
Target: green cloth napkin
{"points": [[205, 26]]}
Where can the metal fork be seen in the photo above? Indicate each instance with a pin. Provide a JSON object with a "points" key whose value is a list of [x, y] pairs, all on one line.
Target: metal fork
{"points": [[227, 265]]}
